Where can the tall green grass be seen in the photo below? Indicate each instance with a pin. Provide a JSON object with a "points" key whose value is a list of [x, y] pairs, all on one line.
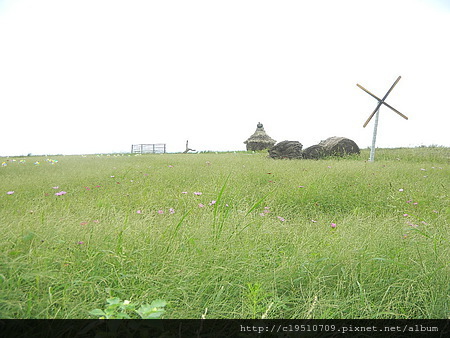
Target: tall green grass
{"points": [[256, 243]]}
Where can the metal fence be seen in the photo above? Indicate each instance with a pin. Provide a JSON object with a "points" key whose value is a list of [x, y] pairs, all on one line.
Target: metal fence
{"points": [[158, 148]]}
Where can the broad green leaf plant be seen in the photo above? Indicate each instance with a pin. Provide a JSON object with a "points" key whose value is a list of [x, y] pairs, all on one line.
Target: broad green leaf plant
{"points": [[118, 309]]}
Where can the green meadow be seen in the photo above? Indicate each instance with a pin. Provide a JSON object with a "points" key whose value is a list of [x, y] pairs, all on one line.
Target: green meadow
{"points": [[226, 235]]}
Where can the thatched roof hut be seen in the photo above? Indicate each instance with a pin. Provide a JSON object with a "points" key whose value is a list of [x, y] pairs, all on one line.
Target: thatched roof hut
{"points": [[259, 140]]}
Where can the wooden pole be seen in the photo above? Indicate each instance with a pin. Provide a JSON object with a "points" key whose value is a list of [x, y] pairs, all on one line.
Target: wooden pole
{"points": [[187, 148]]}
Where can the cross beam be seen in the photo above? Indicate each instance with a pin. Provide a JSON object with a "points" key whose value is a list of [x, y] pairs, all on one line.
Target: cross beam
{"points": [[381, 102]]}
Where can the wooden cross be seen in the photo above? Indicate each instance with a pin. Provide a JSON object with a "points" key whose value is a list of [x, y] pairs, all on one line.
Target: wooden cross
{"points": [[377, 111]]}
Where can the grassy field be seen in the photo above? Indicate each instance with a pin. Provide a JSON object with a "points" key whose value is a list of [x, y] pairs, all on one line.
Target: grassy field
{"points": [[227, 235]]}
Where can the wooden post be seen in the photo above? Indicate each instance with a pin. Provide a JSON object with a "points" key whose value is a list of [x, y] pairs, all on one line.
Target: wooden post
{"points": [[187, 148]]}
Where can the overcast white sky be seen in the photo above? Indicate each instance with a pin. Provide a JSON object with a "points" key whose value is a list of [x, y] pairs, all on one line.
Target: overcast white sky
{"points": [[91, 76]]}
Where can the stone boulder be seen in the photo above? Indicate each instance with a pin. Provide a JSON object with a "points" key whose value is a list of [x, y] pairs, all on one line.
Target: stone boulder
{"points": [[314, 152], [339, 146], [286, 149], [333, 146]]}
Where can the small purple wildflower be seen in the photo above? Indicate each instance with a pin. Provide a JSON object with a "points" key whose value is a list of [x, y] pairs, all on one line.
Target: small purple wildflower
{"points": [[333, 225], [60, 193], [281, 218], [405, 215], [212, 202], [184, 192], [139, 212], [313, 221], [160, 212], [200, 205], [400, 190], [198, 193], [10, 192], [80, 242], [171, 210]]}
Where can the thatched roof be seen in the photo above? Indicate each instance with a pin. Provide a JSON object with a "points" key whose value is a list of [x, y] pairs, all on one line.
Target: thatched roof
{"points": [[260, 137]]}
